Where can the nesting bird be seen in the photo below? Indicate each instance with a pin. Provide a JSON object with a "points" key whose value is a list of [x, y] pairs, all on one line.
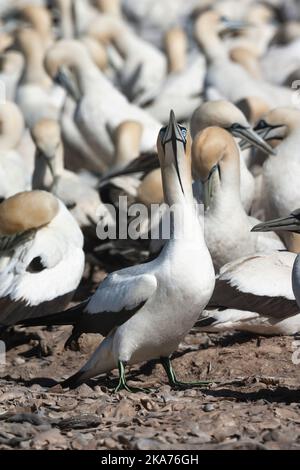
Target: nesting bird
{"points": [[41, 260]]}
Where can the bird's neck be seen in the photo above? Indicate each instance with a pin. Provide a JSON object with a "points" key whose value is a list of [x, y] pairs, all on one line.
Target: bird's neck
{"points": [[88, 75], [11, 133], [34, 71], [226, 189], [42, 178], [212, 45]]}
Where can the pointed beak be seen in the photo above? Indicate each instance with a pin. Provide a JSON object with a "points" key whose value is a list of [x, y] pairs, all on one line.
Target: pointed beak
{"points": [[268, 132], [208, 186], [251, 138], [50, 164], [65, 79], [172, 132], [174, 135], [289, 224], [232, 26]]}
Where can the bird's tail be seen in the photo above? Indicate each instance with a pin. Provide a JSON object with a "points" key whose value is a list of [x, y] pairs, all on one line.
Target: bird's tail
{"points": [[66, 317], [101, 361]]}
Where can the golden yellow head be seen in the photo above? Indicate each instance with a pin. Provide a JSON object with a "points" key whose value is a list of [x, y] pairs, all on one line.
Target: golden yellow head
{"points": [[27, 211], [209, 148], [46, 136]]}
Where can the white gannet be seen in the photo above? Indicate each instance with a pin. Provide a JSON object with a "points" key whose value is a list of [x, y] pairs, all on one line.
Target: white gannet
{"points": [[113, 7], [248, 58], [224, 114], [14, 175], [66, 18], [41, 256], [96, 97], [254, 294], [230, 79], [144, 67], [289, 224], [36, 94], [11, 67], [215, 158], [146, 310], [39, 18], [281, 190], [287, 56], [50, 174], [183, 86]]}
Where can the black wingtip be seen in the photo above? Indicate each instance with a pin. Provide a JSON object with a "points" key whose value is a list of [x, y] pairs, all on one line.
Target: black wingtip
{"points": [[74, 381]]}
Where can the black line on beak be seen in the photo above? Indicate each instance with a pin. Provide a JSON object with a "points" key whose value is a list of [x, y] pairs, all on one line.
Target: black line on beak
{"points": [[173, 134]]}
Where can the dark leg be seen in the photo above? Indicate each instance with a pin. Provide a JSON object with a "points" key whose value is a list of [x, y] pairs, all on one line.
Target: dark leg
{"points": [[166, 362], [122, 385]]}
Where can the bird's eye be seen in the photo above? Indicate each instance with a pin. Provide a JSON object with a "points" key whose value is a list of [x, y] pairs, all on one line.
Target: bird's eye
{"points": [[183, 131], [162, 131]]}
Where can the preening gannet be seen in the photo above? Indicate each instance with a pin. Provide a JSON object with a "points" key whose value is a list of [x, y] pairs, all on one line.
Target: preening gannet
{"points": [[144, 311], [41, 256], [215, 158]]}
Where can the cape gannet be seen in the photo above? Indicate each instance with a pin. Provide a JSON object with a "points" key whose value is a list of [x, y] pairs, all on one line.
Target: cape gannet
{"points": [[226, 115], [289, 224], [215, 158], [36, 95], [281, 172], [14, 176], [230, 79], [96, 97], [146, 310], [41, 256], [82, 200], [144, 67], [254, 294], [183, 86]]}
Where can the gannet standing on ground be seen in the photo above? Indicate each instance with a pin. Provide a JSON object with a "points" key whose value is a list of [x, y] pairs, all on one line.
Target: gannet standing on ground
{"points": [[227, 227], [146, 310], [41, 256]]}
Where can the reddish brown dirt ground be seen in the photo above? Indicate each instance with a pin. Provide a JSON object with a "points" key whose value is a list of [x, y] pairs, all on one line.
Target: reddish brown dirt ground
{"points": [[255, 403]]}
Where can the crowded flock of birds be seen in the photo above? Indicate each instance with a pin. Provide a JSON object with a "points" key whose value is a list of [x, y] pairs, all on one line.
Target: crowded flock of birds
{"points": [[182, 102]]}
